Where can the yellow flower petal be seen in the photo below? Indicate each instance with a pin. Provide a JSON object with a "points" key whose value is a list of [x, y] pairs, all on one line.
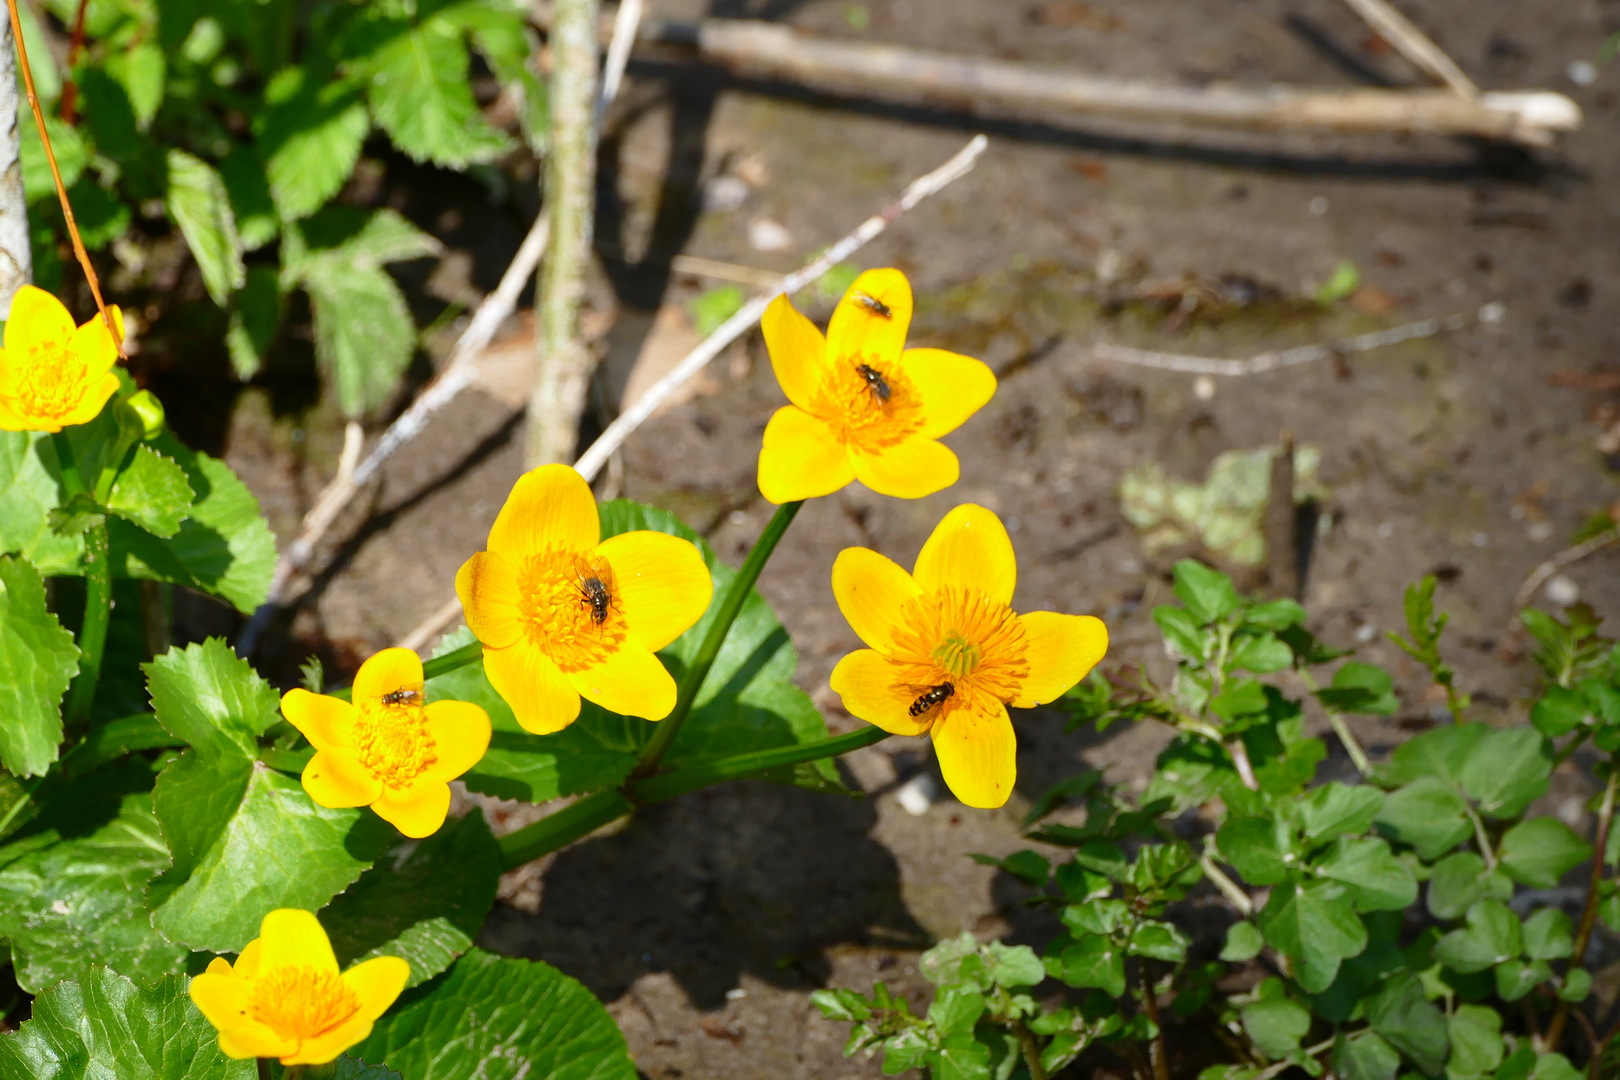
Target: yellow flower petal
{"points": [[866, 683], [872, 592], [385, 672], [377, 983], [631, 682], [952, 387], [797, 350], [541, 697], [95, 398], [328, 1045], [255, 1040], [460, 732], [978, 756], [416, 811], [969, 548], [487, 585], [801, 458], [289, 937], [661, 584], [93, 346], [247, 961], [336, 779], [907, 470], [218, 966], [859, 330], [1062, 650], [221, 997], [9, 420], [326, 721], [36, 318], [550, 507]]}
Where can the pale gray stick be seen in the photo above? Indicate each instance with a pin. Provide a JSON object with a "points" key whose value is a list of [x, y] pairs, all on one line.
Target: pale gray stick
{"points": [[1568, 557], [1413, 44], [16, 256], [591, 462]]}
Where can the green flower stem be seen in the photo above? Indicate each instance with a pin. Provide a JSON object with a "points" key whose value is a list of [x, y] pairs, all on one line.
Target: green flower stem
{"points": [[686, 694], [108, 742], [591, 813], [93, 631], [1487, 850], [450, 661], [1358, 756], [1583, 933]]}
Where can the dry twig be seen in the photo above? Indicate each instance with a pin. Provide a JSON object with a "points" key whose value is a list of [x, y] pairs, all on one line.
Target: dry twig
{"points": [[16, 254], [1566, 558], [1411, 43]]}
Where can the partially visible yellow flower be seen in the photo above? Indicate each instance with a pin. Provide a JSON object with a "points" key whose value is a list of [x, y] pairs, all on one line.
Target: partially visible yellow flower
{"points": [[52, 374], [948, 655], [285, 999], [864, 407], [388, 749], [564, 614]]}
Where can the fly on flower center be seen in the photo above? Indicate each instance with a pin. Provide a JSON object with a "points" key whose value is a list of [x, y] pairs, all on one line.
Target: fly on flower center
{"points": [[964, 638], [302, 1002], [392, 738], [571, 608], [869, 402]]}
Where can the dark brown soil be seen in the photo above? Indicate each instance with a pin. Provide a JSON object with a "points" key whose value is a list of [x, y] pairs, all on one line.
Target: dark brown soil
{"points": [[1457, 455]]}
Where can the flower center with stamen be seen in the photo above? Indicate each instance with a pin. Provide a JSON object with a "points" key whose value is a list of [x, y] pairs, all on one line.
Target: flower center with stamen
{"points": [[571, 608], [301, 1003], [853, 403], [393, 741], [961, 637], [50, 382]]}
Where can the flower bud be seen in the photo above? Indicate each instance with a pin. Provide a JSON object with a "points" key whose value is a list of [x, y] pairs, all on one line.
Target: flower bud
{"points": [[145, 405]]}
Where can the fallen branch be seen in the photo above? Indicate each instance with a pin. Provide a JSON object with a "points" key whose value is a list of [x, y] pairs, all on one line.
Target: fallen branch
{"points": [[1410, 42], [1568, 557], [1305, 354], [845, 67], [591, 462]]}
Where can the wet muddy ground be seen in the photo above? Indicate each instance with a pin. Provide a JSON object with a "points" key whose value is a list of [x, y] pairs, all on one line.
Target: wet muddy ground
{"points": [[1475, 455]]}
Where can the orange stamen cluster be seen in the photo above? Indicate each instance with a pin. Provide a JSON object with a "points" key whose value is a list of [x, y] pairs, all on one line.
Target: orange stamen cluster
{"points": [[965, 638], [393, 741], [861, 417], [302, 1002], [558, 613]]}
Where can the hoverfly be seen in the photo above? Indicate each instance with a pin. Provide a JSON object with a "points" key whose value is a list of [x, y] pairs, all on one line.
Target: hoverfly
{"points": [[933, 696], [875, 382], [405, 695], [874, 305], [597, 596]]}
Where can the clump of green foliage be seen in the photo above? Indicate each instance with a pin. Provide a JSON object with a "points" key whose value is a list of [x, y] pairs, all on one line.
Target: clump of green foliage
{"points": [[237, 123], [1401, 926]]}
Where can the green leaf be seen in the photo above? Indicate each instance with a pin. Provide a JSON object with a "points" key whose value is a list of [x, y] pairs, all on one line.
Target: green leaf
{"points": [[73, 887], [310, 135], [101, 215], [364, 334], [1068, 789], [1516, 978], [961, 1057], [106, 1026], [1491, 936], [1559, 711], [37, 661], [1158, 941], [257, 222], [428, 909], [499, 1019], [255, 317], [1554, 1067], [420, 95], [1276, 1024], [247, 840], [1476, 1041], [152, 493], [1274, 615], [140, 69], [1410, 1022], [1242, 697], [1429, 814], [711, 308], [1345, 280], [1013, 965], [1460, 879], [1336, 809], [1507, 770], [1262, 653], [72, 155], [1314, 922], [1365, 1056], [1547, 935], [347, 235], [1027, 866], [1577, 985], [1092, 962], [1441, 753], [957, 1008], [224, 547], [1361, 688], [1243, 942], [1538, 852], [1181, 631], [1257, 848], [199, 205], [213, 699], [1376, 879], [1208, 594]]}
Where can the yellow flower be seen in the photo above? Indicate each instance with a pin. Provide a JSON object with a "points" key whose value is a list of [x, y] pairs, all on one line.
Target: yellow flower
{"points": [[563, 613], [285, 998], [388, 749], [948, 655], [53, 375], [864, 407]]}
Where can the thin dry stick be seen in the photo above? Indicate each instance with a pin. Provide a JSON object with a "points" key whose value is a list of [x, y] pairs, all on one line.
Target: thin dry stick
{"points": [[888, 71], [591, 462], [1411, 43], [625, 24], [56, 175], [563, 362], [16, 254], [1305, 354], [1568, 557]]}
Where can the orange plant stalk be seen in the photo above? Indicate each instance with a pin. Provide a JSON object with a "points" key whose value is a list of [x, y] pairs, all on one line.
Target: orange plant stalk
{"points": [[56, 174]]}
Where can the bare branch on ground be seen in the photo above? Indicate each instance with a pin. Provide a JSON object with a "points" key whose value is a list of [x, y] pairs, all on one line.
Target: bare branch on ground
{"points": [[1413, 44]]}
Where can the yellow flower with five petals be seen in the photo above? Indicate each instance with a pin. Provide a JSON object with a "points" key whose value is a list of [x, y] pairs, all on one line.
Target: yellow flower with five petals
{"points": [[947, 654], [863, 406], [52, 374], [388, 749], [285, 998], [564, 614]]}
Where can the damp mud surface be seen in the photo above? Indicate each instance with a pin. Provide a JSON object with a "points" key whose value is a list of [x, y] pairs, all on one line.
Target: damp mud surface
{"points": [[1473, 455]]}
